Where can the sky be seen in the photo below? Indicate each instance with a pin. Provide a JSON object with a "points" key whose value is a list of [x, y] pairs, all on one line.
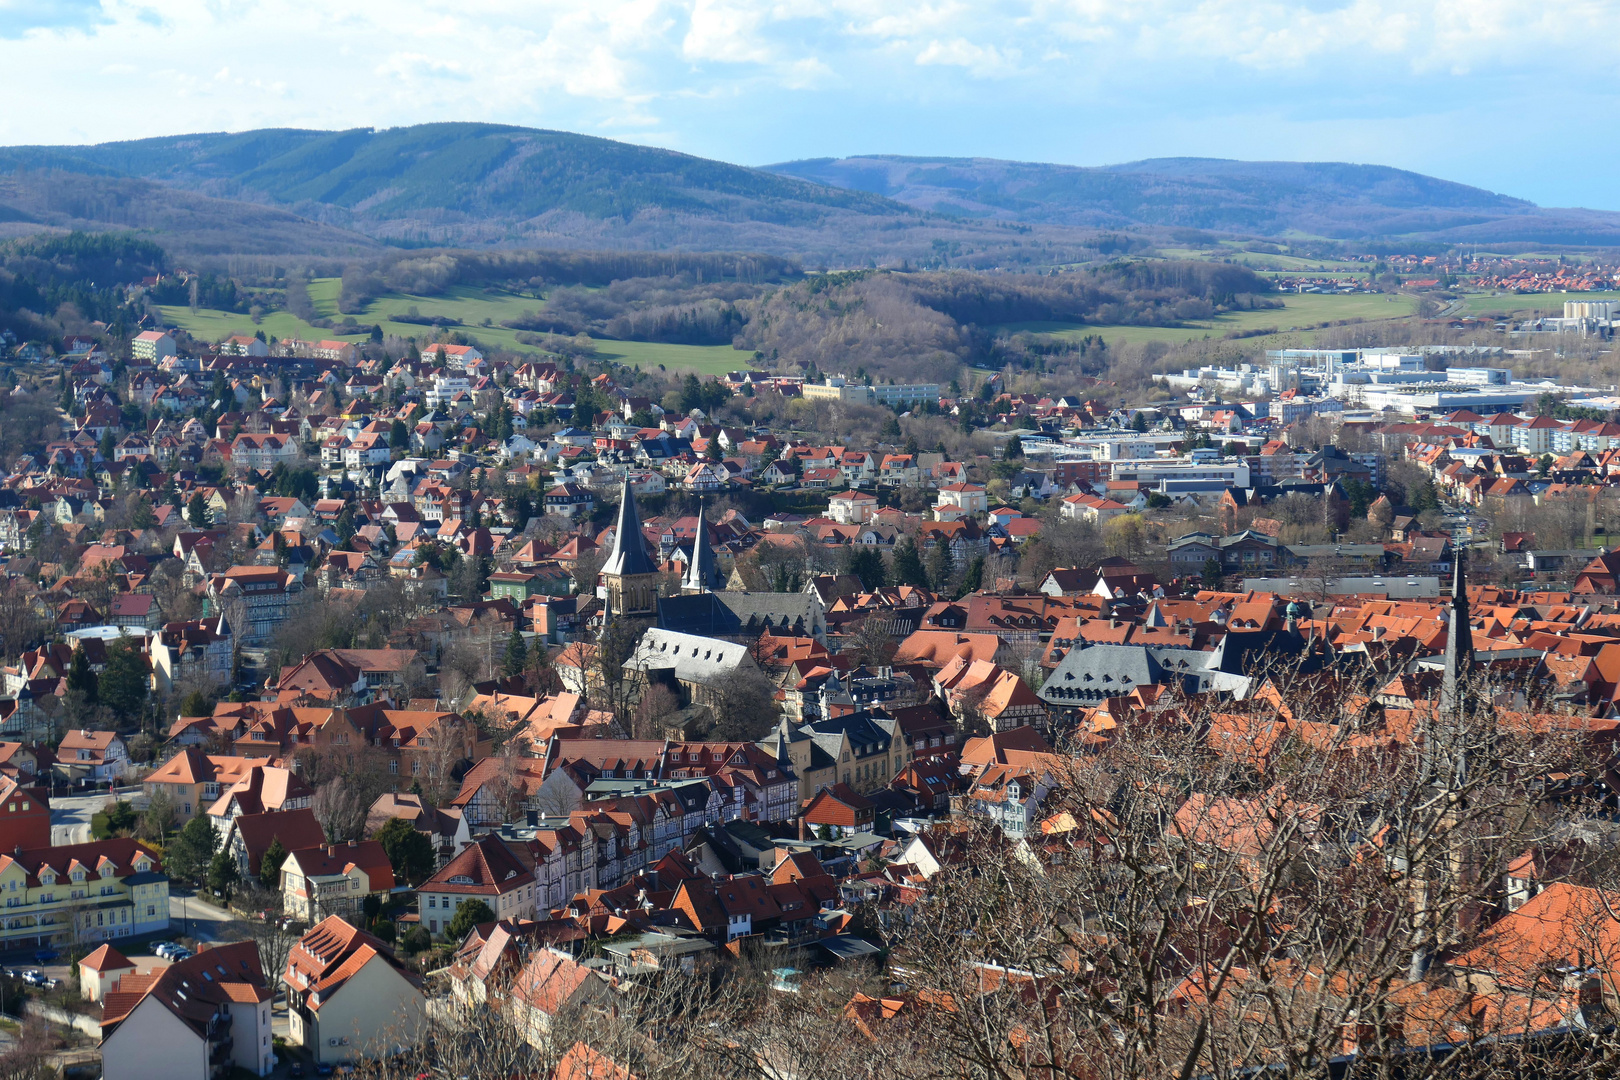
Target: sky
{"points": [[1508, 95]]}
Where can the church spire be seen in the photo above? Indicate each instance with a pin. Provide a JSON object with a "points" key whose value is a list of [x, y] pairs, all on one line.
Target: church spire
{"points": [[628, 555], [1459, 641], [700, 573], [629, 573]]}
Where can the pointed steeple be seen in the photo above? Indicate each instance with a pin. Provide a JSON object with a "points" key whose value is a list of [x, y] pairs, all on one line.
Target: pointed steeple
{"points": [[1459, 655], [629, 553], [701, 574]]}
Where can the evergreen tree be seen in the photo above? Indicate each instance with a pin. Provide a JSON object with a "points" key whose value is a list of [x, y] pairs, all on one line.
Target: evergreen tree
{"points": [[125, 679], [1015, 449], [188, 858], [345, 526], [939, 567], [908, 566], [399, 436], [517, 654], [974, 578], [81, 678], [468, 915], [270, 865], [106, 445], [410, 853], [197, 512], [223, 875], [865, 563]]}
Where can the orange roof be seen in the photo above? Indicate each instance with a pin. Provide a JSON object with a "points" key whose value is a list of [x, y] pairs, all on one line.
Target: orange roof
{"points": [[105, 959]]}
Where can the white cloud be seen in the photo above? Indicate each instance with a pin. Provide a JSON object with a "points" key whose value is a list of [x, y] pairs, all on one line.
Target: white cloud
{"points": [[959, 52], [712, 75]]}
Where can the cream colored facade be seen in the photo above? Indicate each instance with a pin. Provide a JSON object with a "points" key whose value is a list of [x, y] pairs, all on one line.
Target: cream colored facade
{"points": [[375, 1013], [312, 898], [154, 1044], [79, 903]]}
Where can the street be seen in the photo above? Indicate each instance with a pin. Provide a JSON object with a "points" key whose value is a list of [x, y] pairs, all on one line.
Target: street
{"points": [[190, 916], [70, 817]]}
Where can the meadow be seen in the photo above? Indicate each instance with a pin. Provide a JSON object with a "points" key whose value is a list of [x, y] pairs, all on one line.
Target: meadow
{"points": [[1525, 303], [480, 313], [1296, 318]]}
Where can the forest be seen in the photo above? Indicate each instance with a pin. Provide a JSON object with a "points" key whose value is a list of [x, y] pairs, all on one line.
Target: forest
{"points": [[48, 280]]}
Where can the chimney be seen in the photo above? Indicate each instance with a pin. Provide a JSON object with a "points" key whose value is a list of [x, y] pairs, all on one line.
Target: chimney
{"points": [[804, 832], [351, 843]]}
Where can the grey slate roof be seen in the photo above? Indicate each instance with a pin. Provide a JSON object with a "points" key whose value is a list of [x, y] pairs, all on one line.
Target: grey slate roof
{"points": [[629, 553]]}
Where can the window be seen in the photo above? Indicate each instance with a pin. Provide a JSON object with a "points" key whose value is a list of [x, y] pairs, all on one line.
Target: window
{"points": [[25, 806]]}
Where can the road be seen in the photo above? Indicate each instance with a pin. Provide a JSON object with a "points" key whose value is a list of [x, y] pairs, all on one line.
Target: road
{"points": [[70, 817], [196, 918]]}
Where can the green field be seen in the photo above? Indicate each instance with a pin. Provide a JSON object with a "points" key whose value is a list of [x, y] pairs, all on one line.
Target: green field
{"points": [[1297, 313], [474, 308], [1479, 303]]}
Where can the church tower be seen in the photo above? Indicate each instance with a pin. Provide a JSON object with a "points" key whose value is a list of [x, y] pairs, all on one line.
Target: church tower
{"points": [[1448, 758], [701, 575], [630, 576]]}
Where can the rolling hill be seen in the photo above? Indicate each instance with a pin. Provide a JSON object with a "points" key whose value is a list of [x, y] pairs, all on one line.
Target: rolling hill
{"points": [[345, 193], [1265, 198]]}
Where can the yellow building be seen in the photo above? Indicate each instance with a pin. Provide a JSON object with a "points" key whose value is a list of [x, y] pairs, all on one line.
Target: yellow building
{"points": [[63, 896]]}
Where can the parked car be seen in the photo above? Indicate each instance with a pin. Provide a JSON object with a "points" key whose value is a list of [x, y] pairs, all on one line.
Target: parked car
{"points": [[34, 978], [45, 956], [323, 1068], [297, 1070]]}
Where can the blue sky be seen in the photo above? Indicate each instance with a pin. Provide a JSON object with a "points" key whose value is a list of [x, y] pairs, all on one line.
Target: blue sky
{"points": [[1505, 94]]}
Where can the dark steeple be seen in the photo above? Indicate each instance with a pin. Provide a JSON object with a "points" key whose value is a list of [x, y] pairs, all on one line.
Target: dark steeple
{"points": [[629, 554], [701, 575], [1459, 643]]}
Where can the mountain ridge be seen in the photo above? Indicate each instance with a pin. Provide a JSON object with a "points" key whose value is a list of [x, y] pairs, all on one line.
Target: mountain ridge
{"points": [[469, 185], [1336, 200]]}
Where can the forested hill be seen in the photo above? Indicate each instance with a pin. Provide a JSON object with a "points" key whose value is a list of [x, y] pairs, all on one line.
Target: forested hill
{"points": [[480, 185], [1268, 198], [469, 185]]}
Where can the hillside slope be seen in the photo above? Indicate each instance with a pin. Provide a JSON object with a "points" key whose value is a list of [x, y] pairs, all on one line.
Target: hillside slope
{"points": [[188, 224], [1269, 198], [467, 185]]}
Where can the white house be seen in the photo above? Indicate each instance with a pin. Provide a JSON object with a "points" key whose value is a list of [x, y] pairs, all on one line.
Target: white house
{"points": [[852, 507], [198, 1020], [348, 997], [151, 345], [957, 501]]}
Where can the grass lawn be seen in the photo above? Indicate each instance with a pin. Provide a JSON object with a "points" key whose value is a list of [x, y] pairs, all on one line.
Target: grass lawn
{"points": [[1552, 303], [703, 359], [1297, 313], [472, 307]]}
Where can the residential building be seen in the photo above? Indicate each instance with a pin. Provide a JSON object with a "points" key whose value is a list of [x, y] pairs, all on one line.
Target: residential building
{"points": [[487, 870], [153, 345], [348, 998], [193, 780], [333, 880], [79, 893], [200, 1019], [99, 971], [92, 755]]}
